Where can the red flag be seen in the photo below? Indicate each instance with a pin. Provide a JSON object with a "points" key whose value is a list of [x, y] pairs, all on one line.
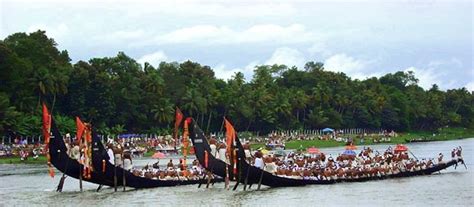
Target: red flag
{"points": [[206, 159], [80, 129], [46, 124], [185, 138], [88, 134], [177, 123], [229, 134]]}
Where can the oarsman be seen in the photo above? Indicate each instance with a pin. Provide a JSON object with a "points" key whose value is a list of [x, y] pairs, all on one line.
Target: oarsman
{"points": [[181, 165], [110, 152], [127, 161], [170, 165], [222, 153], [248, 154], [258, 160], [453, 153], [118, 156], [440, 158], [459, 152], [74, 151], [213, 146]]}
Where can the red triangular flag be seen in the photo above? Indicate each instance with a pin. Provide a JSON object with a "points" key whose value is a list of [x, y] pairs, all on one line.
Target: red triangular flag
{"points": [[46, 124], [229, 134], [177, 123], [80, 129]]}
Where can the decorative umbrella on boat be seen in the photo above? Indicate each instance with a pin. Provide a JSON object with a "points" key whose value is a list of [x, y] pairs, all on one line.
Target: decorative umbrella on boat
{"points": [[263, 151], [349, 152], [313, 150], [158, 155], [279, 152], [400, 148]]}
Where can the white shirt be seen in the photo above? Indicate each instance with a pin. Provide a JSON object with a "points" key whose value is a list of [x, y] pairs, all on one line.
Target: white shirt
{"points": [[110, 152], [213, 150], [259, 163], [222, 154], [127, 164]]}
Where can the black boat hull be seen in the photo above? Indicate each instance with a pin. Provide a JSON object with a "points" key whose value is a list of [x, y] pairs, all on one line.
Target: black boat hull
{"points": [[252, 175], [70, 167], [122, 176]]}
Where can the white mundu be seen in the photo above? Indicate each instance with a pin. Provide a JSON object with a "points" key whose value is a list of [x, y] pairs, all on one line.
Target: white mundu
{"points": [[247, 153], [259, 163], [118, 159], [110, 152], [127, 164], [213, 150], [222, 152]]}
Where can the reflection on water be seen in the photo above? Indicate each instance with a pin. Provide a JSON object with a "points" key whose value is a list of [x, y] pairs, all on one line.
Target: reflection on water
{"points": [[30, 184]]}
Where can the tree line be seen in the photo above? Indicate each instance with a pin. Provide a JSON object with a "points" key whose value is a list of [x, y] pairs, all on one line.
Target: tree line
{"points": [[117, 94]]}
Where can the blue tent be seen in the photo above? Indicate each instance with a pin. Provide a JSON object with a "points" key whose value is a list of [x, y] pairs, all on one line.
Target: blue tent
{"points": [[127, 136], [328, 130]]}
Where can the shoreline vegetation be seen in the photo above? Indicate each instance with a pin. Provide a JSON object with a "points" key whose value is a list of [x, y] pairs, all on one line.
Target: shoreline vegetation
{"points": [[120, 95], [445, 134]]}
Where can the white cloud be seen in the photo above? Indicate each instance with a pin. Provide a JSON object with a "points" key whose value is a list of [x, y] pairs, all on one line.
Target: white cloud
{"points": [[200, 8], [470, 86], [435, 73], [154, 58], [222, 72], [320, 48], [426, 77], [204, 34], [287, 56], [344, 63], [57, 31]]}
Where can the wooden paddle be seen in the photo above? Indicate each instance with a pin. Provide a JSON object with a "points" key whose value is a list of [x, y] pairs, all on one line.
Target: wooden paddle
{"points": [[100, 187], [115, 174], [123, 173], [246, 178], [260, 180], [413, 154], [239, 176], [204, 177], [63, 177]]}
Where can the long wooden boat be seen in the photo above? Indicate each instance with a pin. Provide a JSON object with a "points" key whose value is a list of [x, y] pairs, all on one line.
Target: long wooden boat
{"points": [[248, 174], [251, 175], [123, 177], [70, 167]]}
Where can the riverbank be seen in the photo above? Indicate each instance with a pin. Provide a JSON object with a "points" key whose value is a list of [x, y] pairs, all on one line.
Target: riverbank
{"points": [[443, 134], [17, 160]]}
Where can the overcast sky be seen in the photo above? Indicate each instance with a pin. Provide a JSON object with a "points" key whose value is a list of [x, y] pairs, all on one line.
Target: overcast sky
{"points": [[366, 38]]}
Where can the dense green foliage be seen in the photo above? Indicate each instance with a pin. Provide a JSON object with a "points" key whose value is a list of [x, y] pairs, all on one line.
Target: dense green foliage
{"points": [[117, 94]]}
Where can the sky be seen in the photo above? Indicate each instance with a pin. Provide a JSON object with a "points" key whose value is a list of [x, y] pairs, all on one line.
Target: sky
{"points": [[362, 38]]}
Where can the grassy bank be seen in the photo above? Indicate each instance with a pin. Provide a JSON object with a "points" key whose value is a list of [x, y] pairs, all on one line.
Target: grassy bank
{"points": [[440, 135], [17, 160]]}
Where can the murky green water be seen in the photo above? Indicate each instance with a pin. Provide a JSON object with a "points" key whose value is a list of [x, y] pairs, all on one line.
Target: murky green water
{"points": [[30, 185]]}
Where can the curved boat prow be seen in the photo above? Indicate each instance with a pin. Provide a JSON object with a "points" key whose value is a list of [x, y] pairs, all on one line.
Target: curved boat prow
{"points": [[61, 160]]}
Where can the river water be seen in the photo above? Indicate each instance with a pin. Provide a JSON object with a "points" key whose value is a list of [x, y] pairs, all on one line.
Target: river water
{"points": [[22, 185]]}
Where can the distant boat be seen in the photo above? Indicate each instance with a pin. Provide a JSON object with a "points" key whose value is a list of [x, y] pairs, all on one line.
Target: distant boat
{"points": [[422, 139]]}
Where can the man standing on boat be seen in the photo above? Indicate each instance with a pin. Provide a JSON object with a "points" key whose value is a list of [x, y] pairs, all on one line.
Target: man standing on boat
{"points": [[440, 158], [110, 152], [258, 160]]}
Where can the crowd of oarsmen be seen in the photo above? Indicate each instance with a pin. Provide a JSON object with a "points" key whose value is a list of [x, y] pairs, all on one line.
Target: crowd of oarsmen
{"points": [[365, 164], [171, 171]]}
